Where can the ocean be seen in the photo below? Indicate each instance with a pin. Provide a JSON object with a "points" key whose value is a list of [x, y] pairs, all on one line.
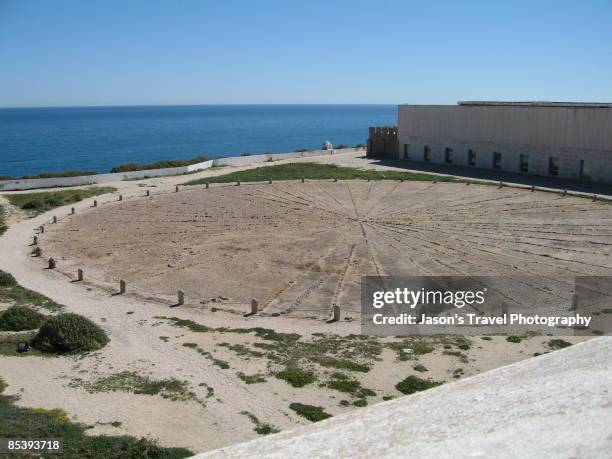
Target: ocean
{"points": [[35, 140]]}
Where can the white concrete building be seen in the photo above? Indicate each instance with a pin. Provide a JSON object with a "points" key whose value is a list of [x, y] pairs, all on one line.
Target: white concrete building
{"points": [[568, 140]]}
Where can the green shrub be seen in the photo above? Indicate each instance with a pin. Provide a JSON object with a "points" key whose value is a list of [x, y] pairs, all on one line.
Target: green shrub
{"points": [[310, 412], [413, 384], [558, 344], [420, 367], [69, 333], [7, 279], [296, 377], [20, 318], [340, 146], [514, 339], [360, 403]]}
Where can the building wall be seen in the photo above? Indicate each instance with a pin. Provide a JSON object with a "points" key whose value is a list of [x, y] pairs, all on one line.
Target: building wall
{"points": [[572, 134]]}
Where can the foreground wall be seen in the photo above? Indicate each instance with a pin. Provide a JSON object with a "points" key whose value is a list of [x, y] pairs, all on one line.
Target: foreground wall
{"points": [[29, 184], [580, 138], [553, 406]]}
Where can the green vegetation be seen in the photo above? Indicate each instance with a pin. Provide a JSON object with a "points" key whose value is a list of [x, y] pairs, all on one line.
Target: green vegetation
{"points": [[458, 373], [314, 171], [341, 146], [558, 344], [37, 203], [130, 167], [218, 362], [360, 145], [69, 332], [18, 422], [8, 344], [487, 338], [59, 174], [344, 383], [413, 384], [261, 428], [3, 226], [514, 339], [12, 292], [310, 412], [129, 381], [296, 377], [360, 403], [20, 318], [420, 368], [252, 379], [340, 364]]}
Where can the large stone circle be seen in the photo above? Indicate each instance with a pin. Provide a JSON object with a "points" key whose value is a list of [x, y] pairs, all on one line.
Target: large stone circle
{"points": [[301, 247]]}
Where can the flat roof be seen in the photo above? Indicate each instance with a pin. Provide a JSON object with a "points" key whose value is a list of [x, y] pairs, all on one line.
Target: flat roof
{"points": [[539, 104]]}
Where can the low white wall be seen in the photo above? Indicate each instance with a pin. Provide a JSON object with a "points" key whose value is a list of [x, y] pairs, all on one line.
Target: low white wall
{"points": [[30, 184]]}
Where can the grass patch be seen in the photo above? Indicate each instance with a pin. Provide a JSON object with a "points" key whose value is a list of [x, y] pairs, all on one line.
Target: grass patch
{"points": [[129, 381], [12, 292], [67, 333], [340, 364], [131, 167], [486, 338], [311, 412], [37, 203], [18, 422], [218, 362], [3, 225], [558, 344], [296, 377], [262, 428], [420, 368], [59, 174], [252, 379], [514, 339], [413, 384], [8, 345], [314, 171], [344, 383], [20, 318], [360, 403]]}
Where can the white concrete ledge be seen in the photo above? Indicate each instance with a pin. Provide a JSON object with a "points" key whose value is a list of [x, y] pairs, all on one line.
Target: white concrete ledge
{"points": [[558, 405], [30, 184]]}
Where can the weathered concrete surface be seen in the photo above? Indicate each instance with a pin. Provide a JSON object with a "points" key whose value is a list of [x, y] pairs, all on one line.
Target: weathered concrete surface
{"points": [[554, 406]]}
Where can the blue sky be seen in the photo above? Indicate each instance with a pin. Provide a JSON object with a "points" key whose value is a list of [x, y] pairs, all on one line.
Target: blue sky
{"points": [[55, 53]]}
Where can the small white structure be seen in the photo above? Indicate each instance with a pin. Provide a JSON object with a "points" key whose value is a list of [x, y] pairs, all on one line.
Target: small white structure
{"points": [[327, 145]]}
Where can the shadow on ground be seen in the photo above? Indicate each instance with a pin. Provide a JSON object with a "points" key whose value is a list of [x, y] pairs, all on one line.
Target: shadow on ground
{"points": [[510, 177]]}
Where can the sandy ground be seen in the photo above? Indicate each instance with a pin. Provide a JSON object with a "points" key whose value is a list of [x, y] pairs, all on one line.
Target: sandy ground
{"points": [[459, 229]]}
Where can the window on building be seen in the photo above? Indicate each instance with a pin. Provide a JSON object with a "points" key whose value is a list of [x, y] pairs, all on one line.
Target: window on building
{"points": [[406, 150], [524, 163], [497, 158], [426, 153], [585, 170], [471, 158], [553, 165], [448, 155]]}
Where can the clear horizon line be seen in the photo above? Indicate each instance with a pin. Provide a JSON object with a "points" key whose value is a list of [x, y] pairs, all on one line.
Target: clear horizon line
{"points": [[184, 105]]}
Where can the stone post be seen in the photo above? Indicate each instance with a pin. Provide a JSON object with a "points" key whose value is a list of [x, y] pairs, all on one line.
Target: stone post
{"points": [[38, 252], [207, 185], [52, 263], [42, 227], [335, 179], [237, 182], [181, 298], [35, 240], [176, 189], [148, 193], [335, 314], [269, 181], [120, 197], [254, 306], [533, 188], [54, 219], [302, 179], [95, 204], [72, 211], [79, 274], [122, 287]]}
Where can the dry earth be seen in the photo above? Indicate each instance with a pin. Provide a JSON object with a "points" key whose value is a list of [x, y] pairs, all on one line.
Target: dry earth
{"points": [[297, 248]]}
